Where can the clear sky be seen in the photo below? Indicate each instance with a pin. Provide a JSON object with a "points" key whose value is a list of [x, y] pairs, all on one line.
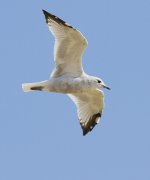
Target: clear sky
{"points": [[40, 136]]}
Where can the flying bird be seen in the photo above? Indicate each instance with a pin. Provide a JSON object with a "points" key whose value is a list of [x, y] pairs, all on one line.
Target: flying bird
{"points": [[68, 76]]}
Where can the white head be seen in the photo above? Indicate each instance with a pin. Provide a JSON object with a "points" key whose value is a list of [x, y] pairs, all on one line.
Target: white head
{"points": [[100, 84]]}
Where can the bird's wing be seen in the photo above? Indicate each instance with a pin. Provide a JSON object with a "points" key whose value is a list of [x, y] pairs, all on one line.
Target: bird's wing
{"points": [[89, 108], [68, 49]]}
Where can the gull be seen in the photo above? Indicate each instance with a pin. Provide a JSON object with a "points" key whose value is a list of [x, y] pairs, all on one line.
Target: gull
{"points": [[68, 77]]}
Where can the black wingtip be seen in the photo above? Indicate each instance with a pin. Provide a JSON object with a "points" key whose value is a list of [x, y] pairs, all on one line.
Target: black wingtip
{"points": [[91, 124], [84, 133], [55, 18], [46, 14], [43, 10]]}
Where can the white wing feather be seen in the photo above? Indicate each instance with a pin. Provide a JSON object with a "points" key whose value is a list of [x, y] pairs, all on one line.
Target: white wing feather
{"points": [[68, 49], [90, 106]]}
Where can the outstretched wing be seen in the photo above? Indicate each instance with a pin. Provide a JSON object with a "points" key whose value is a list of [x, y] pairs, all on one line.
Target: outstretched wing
{"points": [[68, 49], [89, 108]]}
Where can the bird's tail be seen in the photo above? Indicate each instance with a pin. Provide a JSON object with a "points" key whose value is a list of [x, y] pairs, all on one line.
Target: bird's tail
{"points": [[38, 86], [26, 87]]}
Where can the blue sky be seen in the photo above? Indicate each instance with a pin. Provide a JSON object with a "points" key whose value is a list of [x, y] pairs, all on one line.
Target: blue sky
{"points": [[40, 136]]}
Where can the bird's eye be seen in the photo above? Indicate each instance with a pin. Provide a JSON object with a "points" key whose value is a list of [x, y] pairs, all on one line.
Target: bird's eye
{"points": [[98, 81]]}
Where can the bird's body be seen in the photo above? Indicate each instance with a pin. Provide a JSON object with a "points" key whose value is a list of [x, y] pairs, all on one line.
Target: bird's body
{"points": [[69, 77], [64, 84]]}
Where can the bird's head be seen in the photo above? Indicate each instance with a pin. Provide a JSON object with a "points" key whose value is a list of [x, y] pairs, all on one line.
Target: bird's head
{"points": [[101, 84]]}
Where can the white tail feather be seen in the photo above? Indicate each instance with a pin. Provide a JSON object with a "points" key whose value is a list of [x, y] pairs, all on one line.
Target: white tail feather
{"points": [[27, 87]]}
